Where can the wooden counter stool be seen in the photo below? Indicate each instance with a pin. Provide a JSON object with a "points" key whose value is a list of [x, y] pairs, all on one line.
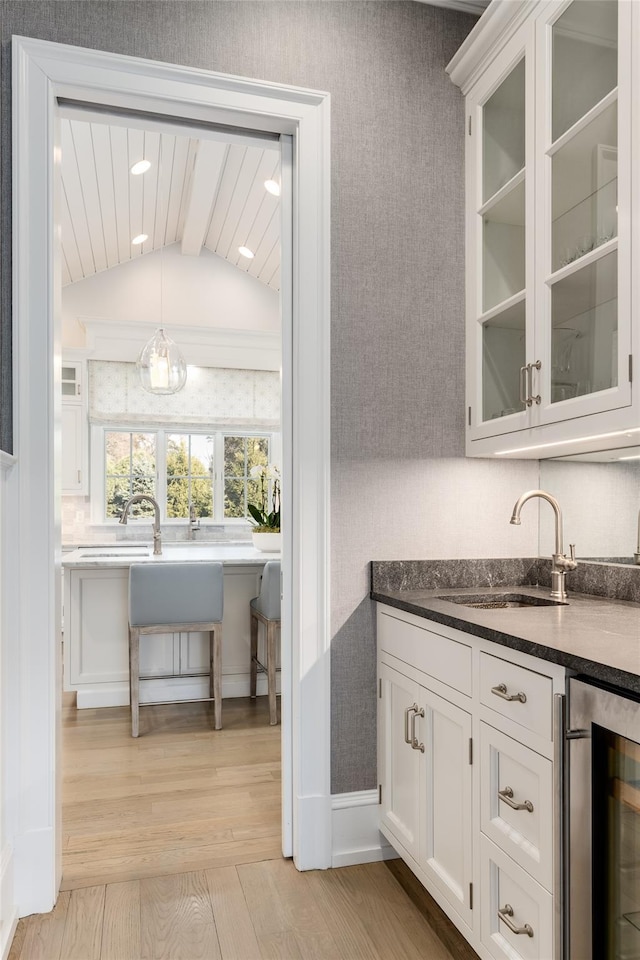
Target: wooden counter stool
{"points": [[175, 598], [266, 609]]}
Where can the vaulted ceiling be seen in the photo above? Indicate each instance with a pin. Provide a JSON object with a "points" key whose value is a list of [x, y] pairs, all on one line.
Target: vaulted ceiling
{"points": [[198, 192]]}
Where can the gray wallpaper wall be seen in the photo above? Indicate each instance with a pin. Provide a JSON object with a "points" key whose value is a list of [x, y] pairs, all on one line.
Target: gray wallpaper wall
{"points": [[397, 279]]}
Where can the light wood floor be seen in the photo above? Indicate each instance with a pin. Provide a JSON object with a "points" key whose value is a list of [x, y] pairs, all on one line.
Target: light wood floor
{"points": [[181, 797], [172, 852], [255, 911]]}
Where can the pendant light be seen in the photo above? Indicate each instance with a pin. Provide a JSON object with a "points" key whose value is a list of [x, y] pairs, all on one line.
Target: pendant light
{"points": [[161, 367]]}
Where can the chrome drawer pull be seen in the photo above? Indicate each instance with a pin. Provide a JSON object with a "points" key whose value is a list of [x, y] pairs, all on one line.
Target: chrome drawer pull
{"points": [[407, 738], [501, 691], [414, 740], [506, 796], [506, 913]]}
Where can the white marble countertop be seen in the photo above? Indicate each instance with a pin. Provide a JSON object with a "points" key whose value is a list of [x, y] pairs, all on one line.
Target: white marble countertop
{"points": [[124, 554]]}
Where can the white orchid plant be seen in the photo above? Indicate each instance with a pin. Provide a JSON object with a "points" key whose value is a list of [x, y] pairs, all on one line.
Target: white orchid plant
{"points": [[265, 520]]}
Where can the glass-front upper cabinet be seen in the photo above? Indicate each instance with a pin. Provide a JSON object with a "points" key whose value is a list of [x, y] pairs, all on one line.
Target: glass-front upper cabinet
{"points": [[583, 245], [549, 134], [500, 155]]}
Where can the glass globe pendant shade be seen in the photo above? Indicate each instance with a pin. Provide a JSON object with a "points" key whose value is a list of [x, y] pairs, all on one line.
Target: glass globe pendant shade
{"points": [[161, 366]]}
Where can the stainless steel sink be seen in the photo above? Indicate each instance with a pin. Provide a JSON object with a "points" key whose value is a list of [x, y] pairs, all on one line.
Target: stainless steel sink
{"points": [[118, 553], [502, 601]]}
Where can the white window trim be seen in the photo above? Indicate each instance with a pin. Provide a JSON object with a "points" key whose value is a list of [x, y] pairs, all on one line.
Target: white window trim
{"points": [[98, 472], [42, 72]]}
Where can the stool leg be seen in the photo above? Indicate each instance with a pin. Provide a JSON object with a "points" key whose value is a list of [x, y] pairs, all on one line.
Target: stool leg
{"points": [[211, 664], [217, 676], [253, 669], [134, 678], [271, 670]]}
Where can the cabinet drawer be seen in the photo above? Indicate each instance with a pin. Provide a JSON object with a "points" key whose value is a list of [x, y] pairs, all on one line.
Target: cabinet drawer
{"points": [[506, 885], [532, 705], [440, 657], [523, 777]]}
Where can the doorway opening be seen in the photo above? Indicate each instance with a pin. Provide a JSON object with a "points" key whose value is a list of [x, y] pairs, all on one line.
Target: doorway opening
{"points": [[45, 73], [174, 227]]}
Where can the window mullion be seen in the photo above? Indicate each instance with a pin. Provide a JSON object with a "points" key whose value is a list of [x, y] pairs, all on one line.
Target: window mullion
{"points": [[161, 472]]}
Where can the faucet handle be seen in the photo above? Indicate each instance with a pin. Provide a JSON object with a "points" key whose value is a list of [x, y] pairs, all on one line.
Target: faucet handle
{"points": [[572, 551]]}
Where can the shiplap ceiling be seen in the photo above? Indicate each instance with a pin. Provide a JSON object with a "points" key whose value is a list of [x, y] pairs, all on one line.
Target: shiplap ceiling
{"points": [[198, 192]]}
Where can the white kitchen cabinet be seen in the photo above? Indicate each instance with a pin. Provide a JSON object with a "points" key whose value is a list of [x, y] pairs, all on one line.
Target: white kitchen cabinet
{"points": [[466, 763], [96, 647], [550, 142], [74, 428]]}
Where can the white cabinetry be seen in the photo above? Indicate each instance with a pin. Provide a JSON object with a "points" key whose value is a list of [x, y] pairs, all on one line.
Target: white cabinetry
{"points": [[96, 645], [550, 291], [74, 428], [466, 752]]}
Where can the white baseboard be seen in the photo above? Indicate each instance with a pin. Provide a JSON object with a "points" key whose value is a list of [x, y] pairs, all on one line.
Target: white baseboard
{"points": [[34, 871], [354, 828], [173, 688], [8, 909]]}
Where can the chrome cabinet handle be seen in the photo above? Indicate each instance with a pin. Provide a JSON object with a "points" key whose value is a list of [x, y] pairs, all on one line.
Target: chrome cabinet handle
{"points": [[407, 738], [414, 740], [506, 913], [506, 796], [530, 397], [501, 691], [523, 386]]}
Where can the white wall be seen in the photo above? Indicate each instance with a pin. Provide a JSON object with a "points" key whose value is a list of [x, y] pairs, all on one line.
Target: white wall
{"points": [[196, 291]]}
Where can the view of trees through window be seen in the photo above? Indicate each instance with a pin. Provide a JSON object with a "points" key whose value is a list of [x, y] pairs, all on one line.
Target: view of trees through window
{"points": [[240, 455], [190, 472], [130, 460]]}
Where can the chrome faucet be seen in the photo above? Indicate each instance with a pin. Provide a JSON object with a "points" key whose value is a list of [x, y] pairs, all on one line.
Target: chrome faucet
{"points": [[559, 562], [636, 555], [194, 522], [157, 535]]}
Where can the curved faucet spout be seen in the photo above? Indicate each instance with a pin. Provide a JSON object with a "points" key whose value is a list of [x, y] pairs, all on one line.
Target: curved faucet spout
{"points": [[515, 518], [559, 563], [157, 535]]}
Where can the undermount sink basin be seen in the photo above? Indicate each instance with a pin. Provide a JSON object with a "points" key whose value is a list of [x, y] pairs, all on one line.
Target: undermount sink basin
{"points": [[502, 601], [119, 553]]}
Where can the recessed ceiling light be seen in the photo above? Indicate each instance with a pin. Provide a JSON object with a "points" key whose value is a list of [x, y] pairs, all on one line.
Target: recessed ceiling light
{"points": [[140, 167], [249, 254], [273, 187], [140, 239]]}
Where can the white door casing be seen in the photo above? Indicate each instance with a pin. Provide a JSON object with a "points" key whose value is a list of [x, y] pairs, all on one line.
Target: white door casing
{"points": [[43, 73]]}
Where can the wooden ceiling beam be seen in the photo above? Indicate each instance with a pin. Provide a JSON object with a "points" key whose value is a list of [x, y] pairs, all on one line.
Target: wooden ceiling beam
{"points": [[207, 171]]}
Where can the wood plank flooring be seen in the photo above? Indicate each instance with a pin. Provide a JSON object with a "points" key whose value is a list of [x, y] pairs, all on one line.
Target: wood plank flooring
{"points": [[180, 798], [253, 911], [172, 852]]}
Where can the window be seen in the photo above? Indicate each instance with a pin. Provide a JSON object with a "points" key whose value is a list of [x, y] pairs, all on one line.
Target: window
{"points": [[240, 455], [189, 472], [130, 467], [209, 471]]}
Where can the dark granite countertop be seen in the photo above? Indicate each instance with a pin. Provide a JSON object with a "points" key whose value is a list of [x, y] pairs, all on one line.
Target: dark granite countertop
{"points": [[594, 636]]}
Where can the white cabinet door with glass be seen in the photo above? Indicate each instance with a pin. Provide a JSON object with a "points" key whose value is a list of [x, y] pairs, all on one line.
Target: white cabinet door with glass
{"points": [[548, 175], [74, 428]]}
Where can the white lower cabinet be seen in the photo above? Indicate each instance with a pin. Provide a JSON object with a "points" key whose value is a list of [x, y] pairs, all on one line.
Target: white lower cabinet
{"points": [[515, 912], [175, 665], [467, 779]]}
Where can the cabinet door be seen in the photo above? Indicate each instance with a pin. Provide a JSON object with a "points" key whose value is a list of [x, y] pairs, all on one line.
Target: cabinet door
{"points": [[446, 798], [398, 762], [98, 626], [71, 381], [500, 183], [584, 186], [73, 425]]}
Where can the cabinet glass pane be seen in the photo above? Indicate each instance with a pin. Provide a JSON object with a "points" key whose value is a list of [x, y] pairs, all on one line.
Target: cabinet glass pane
{"points": [[584, 337], [585, 60], [585, 190], [68, 389], [503, 133], [503, 249], [503, 353], [69, 373]]}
